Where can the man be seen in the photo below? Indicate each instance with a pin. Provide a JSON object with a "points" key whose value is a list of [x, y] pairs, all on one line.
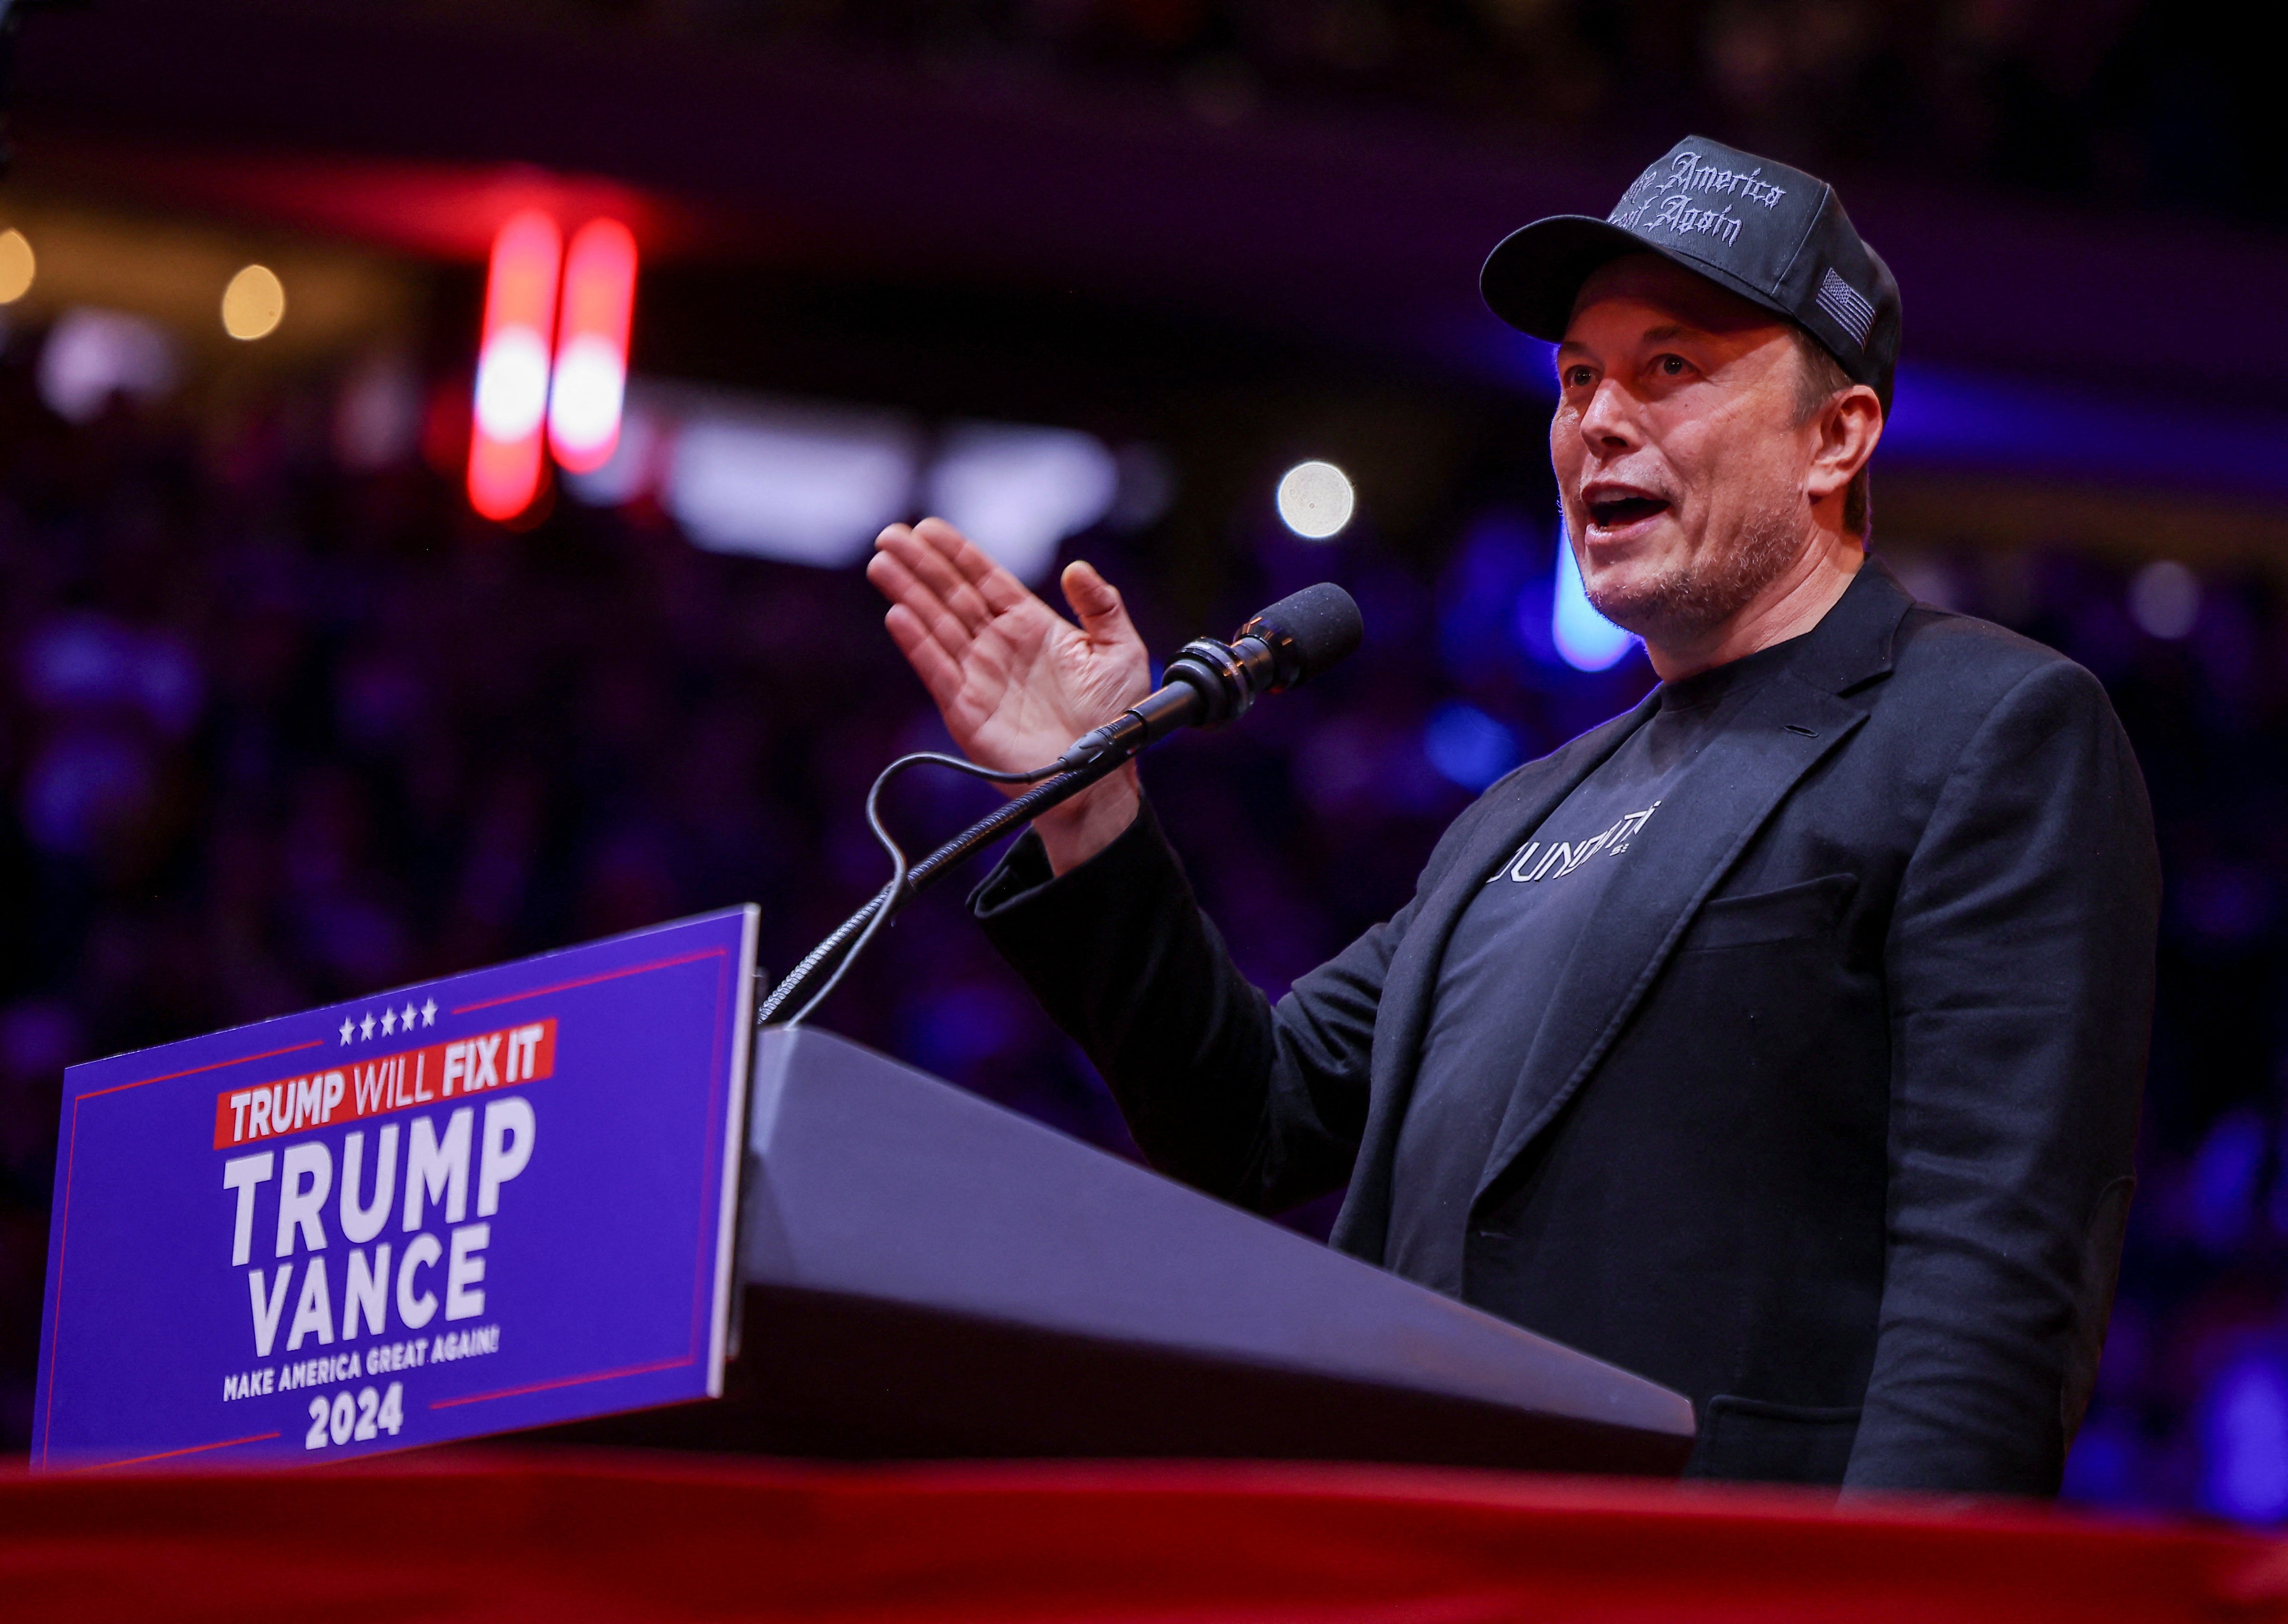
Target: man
{"points": [[1781, 1039]]}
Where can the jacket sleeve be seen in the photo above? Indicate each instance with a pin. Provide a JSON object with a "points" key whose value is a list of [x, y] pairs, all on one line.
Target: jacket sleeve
{"points": [[2021, 969], [1261, 1105]]}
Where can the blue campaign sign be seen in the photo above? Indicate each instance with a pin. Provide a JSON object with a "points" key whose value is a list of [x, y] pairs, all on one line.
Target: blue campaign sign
{"points": [[499, 1200]]}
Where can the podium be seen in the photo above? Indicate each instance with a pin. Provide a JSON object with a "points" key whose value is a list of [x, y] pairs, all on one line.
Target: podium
{"points": [[928, 1275]]}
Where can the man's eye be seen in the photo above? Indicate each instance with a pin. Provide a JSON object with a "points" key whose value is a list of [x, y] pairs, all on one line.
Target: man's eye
{"points": [[1576, 377], [1671, 366]]}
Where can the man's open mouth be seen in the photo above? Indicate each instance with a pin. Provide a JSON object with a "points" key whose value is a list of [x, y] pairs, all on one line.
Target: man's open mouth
{"points": [[1614, 512]]}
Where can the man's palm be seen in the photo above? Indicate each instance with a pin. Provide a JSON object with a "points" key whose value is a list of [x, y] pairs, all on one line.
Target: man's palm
{"points": [[1016, 681]]}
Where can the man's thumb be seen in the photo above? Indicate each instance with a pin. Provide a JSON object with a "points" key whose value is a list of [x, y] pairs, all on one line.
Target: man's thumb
{"points": [[1095, 604]]}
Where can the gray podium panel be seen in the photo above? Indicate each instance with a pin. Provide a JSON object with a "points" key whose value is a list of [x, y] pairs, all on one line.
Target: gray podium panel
{"points": [[929, 1274]]}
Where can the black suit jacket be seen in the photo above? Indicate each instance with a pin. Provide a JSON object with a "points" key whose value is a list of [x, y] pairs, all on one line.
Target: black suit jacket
{"points": [[1830, 1127]]}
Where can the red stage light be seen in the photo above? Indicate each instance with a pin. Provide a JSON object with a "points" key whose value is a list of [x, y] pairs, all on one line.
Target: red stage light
{"points": [[513, 366], [591, 347]]}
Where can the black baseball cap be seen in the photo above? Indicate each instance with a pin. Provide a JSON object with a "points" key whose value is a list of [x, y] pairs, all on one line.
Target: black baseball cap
{"points": [[1772, 234]]}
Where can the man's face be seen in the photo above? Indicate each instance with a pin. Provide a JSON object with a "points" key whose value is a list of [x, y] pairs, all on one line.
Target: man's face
{"points": [[1680, 457]]}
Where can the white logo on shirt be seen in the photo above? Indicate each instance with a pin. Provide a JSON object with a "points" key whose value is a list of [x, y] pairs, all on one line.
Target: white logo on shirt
{"points": [[1533, 861]]}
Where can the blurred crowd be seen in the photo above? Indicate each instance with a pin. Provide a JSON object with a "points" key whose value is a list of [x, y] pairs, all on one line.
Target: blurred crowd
{"points": [[2110, 100], [274, 731]]}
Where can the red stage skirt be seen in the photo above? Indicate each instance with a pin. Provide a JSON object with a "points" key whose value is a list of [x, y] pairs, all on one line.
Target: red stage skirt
{"points": [[564, 1536]]}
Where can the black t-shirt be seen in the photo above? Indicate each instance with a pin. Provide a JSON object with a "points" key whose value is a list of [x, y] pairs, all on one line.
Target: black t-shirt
{"points": [[1502, 960]]}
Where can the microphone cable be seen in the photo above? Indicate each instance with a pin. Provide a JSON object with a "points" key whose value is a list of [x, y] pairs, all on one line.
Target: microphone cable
{"points": [[869, 919]]}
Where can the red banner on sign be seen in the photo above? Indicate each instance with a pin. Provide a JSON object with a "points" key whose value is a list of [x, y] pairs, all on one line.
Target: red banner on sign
{"points": [[386, 1083]]}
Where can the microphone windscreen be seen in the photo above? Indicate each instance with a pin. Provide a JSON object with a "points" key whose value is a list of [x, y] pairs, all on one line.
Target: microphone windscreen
{"points": [[1311, 629]]}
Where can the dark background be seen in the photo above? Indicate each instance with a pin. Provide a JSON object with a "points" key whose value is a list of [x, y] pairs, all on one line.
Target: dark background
{"points": [[282, 722]]}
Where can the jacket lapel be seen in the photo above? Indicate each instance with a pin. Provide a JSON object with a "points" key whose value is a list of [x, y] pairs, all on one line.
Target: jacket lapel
{"points": [[1649, 905], [1512, 811], [1785, 728]]}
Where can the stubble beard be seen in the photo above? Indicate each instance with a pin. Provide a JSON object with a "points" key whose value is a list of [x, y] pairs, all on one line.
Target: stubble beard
{"points": [[1686, 603]]}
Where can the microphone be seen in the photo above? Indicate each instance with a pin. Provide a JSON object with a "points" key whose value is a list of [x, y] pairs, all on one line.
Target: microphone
{"points": [[1210, 683]]}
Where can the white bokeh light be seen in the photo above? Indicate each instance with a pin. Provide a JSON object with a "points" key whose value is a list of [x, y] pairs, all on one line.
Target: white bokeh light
{"points": [[1315, 500], [1017, 490], [91, 354], [513, 383], [807, 484], [584, 400]]}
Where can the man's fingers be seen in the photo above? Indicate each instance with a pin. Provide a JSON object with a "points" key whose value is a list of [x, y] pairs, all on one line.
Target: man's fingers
{"points": [[999, 590], [1096, 604], [940, 672], [929, 563], [890, 576], [936, 575]]}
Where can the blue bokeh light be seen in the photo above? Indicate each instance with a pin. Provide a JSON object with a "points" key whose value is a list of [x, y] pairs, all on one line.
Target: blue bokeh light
{"points": [[2225, 1173], [2245, 1440], [1587, 639], [2106, 1463], [1502, 553], [1469, 746]]}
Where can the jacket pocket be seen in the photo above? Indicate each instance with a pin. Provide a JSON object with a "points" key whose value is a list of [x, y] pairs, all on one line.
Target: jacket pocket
{"points": [[1808, 909], [1751, 1440]]}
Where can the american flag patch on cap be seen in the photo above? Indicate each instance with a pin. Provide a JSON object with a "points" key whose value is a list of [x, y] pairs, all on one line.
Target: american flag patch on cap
{"points": [[1843, 301]]}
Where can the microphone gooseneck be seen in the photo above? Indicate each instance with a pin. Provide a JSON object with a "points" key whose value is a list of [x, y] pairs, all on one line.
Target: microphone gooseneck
{"points": [[1207, 684]]}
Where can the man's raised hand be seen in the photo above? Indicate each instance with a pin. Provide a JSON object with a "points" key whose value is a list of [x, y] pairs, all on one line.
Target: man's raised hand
{"points": [[1016, 681]]}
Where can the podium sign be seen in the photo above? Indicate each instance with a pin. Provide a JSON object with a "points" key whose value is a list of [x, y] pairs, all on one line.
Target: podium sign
{"points": [[499, 1200]]}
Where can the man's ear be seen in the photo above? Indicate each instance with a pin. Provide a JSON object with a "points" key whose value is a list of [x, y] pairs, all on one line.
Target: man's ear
{"points": [[1849, 425]]}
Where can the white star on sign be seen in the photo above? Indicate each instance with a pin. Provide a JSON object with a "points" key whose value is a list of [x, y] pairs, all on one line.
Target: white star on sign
{"points": [[406, 1020], [347, 1028], [365, 1027], [429, 1012], [388, 1022]]}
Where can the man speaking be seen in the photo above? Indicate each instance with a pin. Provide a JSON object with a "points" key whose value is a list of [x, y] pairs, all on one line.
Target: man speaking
{"points": [[1781, 1039]]}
